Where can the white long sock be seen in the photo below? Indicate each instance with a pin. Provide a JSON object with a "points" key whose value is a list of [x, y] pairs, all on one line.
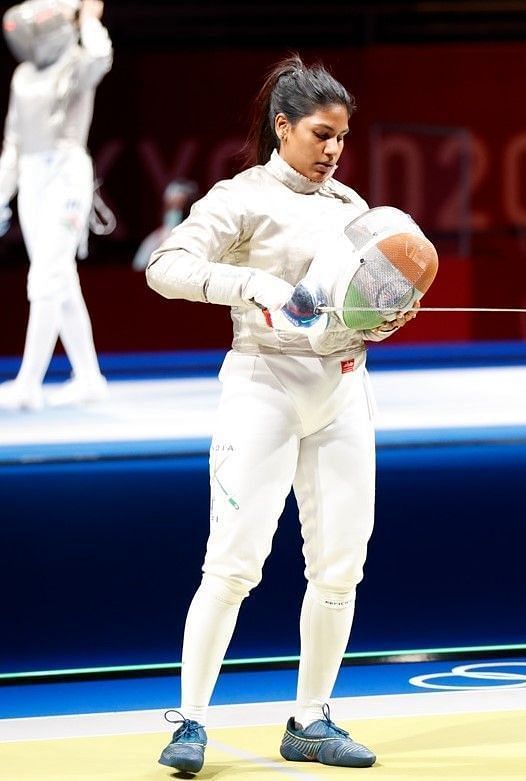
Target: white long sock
{"points": [[41, 338], [324, 635], [209, 627], [77, 337]]}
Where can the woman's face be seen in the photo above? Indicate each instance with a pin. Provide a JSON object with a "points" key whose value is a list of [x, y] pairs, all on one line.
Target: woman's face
{"points": [[314, 144]]}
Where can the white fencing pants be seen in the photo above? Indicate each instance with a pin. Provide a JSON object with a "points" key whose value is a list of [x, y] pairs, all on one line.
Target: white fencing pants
{"points": [[54, 201], [284, 420]]}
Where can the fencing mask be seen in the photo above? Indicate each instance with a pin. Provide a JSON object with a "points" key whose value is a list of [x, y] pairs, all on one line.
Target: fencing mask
{"points": [[382, 262], [39, 31]]}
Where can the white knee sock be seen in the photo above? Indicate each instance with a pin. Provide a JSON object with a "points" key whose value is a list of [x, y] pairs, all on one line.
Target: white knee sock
{"points": [[41, 338], [325, 626], [77, 337], [209, 627]]}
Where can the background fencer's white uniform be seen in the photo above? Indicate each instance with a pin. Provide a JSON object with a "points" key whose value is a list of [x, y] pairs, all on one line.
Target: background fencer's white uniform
{"points": [[287, 416], [44, 156]]}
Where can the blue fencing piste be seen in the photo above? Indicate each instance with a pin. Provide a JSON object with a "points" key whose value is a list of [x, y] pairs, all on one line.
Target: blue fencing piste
{"points": [[100, 556]]}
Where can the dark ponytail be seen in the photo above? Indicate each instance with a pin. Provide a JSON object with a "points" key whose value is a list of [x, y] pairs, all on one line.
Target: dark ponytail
{"points": [[296, 90]]}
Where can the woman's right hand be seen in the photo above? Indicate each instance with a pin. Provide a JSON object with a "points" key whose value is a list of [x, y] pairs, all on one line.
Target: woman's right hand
{"points": [[267, 291]]}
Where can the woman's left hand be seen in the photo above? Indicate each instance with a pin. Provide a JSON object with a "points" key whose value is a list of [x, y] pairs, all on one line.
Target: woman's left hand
{"points": [[401, 319], [405, 317]]}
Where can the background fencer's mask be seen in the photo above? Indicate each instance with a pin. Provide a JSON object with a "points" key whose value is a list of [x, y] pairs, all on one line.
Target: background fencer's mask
{"points": [[39, 31], [381, 265]]}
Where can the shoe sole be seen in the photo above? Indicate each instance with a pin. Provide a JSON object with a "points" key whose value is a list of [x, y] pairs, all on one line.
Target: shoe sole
{"points": [[293, 755], [357, 764], [181, 765]]}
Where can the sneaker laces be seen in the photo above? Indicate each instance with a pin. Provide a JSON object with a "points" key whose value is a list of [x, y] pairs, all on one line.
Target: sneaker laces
{"points": [[327, 716], [189, 727]]}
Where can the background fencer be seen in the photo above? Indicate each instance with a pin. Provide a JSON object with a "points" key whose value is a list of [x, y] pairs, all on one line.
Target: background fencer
{"points": [[295, 409], [64, 51]]}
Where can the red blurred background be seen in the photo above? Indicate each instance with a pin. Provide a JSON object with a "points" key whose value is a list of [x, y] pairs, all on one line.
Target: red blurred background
{"points": [[440, 131]]}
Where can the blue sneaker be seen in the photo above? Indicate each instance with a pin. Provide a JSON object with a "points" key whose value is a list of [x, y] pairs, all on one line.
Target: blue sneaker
{"points": [[186, 750], [322, 741]]}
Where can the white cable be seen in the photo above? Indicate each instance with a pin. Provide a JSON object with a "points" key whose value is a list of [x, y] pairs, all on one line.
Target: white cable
{"points": [[324, 309]]}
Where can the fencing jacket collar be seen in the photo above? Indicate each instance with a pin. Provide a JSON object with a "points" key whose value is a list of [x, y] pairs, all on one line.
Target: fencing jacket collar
{"points": [[291, 178]]}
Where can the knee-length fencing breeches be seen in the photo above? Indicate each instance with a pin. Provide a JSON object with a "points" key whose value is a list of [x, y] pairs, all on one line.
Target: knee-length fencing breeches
{"points": [[282, 421]]}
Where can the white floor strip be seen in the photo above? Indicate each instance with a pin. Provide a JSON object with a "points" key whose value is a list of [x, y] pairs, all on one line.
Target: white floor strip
{"points": [[450, 398], [255, 714], [181, 409]]}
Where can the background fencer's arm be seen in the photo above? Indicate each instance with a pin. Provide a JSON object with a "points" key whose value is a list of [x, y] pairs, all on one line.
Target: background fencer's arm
{"points": [[9, 156], [198, 260], [96, 53]]}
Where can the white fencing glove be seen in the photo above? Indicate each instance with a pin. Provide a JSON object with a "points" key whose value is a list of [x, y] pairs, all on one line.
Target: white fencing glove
{"points": [[267, 291], [234, 285]]}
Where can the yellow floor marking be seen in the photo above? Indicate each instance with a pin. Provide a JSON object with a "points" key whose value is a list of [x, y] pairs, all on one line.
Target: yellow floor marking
{"points": [[460, 747]]}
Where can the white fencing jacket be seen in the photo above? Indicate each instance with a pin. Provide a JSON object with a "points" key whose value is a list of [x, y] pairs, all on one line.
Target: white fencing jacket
{"points": [[268, 217]]}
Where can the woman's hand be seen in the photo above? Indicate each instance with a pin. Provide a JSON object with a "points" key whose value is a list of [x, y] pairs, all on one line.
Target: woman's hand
{"points": [[267, 291], [400, 320]]}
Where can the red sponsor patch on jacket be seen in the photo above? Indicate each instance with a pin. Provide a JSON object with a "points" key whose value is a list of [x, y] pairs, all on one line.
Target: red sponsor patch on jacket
{"points": [[347, 366]]}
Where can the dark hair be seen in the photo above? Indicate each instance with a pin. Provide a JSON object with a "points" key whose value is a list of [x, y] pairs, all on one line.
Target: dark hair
{"points": [[296, 90]]}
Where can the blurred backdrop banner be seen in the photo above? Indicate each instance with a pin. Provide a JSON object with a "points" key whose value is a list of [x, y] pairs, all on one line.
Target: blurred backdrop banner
{"points": [[440, 132]]}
